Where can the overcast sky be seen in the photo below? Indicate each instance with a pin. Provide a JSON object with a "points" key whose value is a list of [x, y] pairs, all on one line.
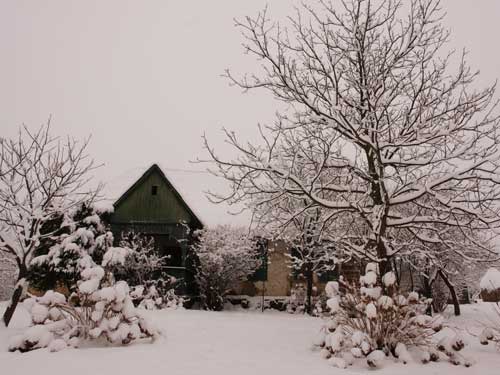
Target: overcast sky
{"points": [[144, 78]]}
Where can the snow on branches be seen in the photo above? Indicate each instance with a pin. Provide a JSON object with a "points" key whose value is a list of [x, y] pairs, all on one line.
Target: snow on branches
{"points": [[226, 257], [303, 227], [41, 179], [81, 235], [374, 321], [394, 141], [138, 262]]}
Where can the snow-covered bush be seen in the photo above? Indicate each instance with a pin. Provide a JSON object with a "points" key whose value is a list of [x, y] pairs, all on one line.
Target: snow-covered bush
{"points": [[138, 263], [491, 332], [157, 294], [226, 257], [98, 309], [84, 234], [374, 321], [297, 302], [42, 178]]}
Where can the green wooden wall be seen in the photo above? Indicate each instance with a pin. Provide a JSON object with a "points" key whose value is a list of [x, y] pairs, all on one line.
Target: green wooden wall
{"points": [[141, 205]]}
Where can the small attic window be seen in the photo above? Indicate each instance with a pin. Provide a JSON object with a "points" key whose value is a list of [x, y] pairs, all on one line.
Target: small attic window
{"points": [[154, 190]]}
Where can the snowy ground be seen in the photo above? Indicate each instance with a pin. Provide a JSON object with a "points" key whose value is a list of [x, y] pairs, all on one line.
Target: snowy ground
{"points": [[227, 343]]}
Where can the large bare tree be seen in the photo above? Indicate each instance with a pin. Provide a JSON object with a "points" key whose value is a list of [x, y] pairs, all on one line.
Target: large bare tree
{"points": [[389, 130], [41, 179]]}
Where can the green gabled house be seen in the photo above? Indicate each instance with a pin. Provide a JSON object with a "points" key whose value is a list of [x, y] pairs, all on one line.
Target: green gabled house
{"points": [[152, 206]]}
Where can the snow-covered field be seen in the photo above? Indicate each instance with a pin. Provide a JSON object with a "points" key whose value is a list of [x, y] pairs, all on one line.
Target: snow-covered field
{"points": [[232, 342]]}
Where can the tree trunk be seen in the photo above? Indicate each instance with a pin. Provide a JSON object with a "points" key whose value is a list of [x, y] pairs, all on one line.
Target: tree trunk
{"points": [[427, 291], [397, 272], [451, 287], [11, 308], [309, 277], [16, 296], [412, 282]]}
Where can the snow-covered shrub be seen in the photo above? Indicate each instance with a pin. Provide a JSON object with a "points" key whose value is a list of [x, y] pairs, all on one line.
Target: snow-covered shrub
{"points": [[226, 257], [157, 294], [84, 234], [138, 263], [98, 309], [490, 286], [374, 321], [297, 302], [491, 332]]}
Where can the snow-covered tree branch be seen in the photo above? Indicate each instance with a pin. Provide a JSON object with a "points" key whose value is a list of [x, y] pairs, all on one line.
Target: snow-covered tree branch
{"points": [[384, 129], [41, 178]]}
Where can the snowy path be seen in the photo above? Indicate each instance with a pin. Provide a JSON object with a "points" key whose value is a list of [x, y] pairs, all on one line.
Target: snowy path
{"points": [[227, 343]]}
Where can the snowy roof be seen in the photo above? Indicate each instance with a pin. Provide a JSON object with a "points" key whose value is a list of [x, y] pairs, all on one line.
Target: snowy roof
{"points": [[491, 280], [189, 192]]}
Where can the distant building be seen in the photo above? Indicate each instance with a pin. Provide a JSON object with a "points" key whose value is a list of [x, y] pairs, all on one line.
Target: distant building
{"points": [[152, 206], [275, 278]]}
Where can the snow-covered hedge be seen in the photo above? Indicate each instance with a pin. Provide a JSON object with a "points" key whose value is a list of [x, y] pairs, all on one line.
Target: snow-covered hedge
{"points": [[99, 309], [373, 321]]}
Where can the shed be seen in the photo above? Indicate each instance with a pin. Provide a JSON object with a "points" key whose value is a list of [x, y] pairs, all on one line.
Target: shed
{"points": [[154, 207]]}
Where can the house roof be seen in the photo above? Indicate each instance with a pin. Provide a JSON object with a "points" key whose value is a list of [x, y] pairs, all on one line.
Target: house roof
{"points": [[138, 181]]}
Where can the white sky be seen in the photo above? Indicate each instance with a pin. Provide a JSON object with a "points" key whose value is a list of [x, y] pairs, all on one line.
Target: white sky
{"points": [[144, 78]]}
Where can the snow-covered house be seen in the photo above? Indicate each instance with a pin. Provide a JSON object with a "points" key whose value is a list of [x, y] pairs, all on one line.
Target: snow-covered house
{"points": [[153, 206]]}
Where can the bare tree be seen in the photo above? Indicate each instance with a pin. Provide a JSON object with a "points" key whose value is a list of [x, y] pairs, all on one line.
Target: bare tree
{"points": [[391, 134], [438, 263], [41, 178]]}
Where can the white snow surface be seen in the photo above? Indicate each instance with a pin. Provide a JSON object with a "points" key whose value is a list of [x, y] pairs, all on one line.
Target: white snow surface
{"points": [[228, 343]]}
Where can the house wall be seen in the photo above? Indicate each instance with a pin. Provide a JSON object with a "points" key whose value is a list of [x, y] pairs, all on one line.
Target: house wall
{"points": [[280, 281], [278, 272], [141, 205]]}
